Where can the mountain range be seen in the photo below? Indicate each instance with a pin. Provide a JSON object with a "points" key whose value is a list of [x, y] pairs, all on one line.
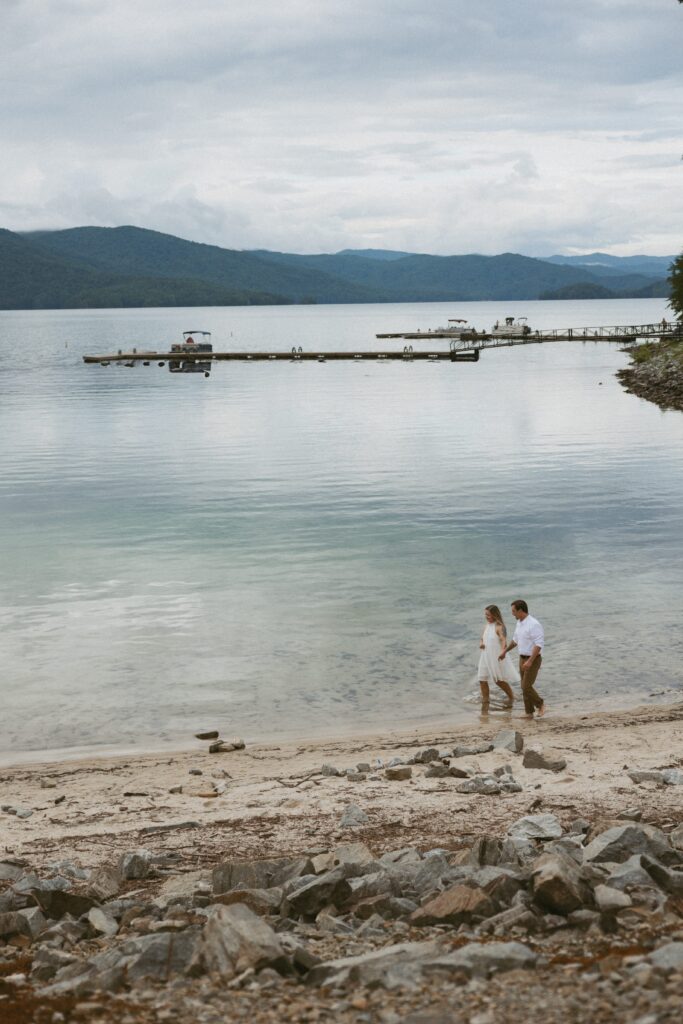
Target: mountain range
{"points": [[93, 267]]}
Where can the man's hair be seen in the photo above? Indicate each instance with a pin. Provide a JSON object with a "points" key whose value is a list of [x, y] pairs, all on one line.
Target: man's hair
{"points": [[521, 606]]}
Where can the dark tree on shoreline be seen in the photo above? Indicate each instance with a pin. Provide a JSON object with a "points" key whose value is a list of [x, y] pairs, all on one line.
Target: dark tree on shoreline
{"points": [[676, 280]]}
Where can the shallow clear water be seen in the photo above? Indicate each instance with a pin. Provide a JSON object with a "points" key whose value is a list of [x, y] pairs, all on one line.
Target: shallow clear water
{"points": [[296, 548]]}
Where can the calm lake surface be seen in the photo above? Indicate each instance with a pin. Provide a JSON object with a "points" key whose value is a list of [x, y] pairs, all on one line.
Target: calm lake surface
{"points": [[296, 549]]}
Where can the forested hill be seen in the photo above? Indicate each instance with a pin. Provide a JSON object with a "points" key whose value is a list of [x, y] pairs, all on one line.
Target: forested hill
{"points": [[131, 266]]}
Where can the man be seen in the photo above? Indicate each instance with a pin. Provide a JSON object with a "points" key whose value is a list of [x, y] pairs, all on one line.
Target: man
{"points": [[528, 636]]}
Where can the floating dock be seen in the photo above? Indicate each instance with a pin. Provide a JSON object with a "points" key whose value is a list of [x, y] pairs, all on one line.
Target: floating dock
{"points": [[463, 349], [450, 355]]}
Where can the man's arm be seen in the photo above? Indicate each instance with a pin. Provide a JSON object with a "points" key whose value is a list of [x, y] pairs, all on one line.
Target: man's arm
{"points": [[509, 647]]}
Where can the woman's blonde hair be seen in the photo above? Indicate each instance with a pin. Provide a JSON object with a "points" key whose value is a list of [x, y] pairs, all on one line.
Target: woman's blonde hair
{"points": [[494, 610]]}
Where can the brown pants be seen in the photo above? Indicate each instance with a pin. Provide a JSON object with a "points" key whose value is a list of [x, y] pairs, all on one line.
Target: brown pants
{"points": [[531, 697]]}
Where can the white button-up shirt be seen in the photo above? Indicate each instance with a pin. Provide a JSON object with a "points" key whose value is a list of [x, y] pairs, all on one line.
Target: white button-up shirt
{"points": [[528, 634]]}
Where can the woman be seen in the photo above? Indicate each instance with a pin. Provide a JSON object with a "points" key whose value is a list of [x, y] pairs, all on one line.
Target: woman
{"points": [[491, 669]]}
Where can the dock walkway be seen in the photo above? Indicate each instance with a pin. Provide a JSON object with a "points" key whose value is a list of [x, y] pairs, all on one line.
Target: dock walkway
{"points": [[464, 347]]}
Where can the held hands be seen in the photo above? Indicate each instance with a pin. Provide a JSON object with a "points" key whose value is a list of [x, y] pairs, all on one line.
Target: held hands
{"points": [[501, 656], [481, 647]]}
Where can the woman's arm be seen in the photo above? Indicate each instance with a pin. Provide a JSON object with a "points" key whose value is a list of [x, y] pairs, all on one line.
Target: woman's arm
{"points": [[500, 631]]}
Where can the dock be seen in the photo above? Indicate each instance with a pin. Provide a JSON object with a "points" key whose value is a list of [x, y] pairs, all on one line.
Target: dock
{"points": [[463, 347], [295, 355]]}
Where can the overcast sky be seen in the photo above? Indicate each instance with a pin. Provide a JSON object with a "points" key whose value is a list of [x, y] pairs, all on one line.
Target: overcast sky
{"points": [[443, 126]]}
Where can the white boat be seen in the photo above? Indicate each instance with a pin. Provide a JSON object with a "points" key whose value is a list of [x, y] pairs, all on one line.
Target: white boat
{"points": [[511, 328], [189, 346]]}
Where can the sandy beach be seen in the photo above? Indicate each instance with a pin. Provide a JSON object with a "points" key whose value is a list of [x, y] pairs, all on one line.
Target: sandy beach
{"points": [[269, 799], [193, 811]]}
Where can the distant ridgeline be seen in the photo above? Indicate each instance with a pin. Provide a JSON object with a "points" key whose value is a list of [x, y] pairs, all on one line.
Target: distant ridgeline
{"points": [[129, 267]]}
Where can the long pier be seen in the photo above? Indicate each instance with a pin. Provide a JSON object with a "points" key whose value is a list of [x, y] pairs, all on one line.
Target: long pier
{"points": [[295, 355], [463, 347]]}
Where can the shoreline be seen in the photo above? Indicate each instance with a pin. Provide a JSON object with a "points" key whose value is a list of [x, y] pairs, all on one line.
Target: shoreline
{"points": [[72, 801], [467, 716]]}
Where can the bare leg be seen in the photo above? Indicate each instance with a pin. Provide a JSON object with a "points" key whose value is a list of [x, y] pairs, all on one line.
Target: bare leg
{"points": [[485, 693], [506, 688]]}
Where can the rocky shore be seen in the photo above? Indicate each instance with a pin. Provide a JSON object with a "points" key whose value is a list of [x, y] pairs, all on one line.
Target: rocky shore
{"points": [[477, 876], [656, 374]]}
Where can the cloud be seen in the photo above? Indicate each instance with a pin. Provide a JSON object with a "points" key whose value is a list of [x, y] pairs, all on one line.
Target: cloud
{"points": [[439, 125]]}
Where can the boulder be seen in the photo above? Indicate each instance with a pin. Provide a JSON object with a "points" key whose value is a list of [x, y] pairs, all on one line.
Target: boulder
{"points": [[472, 751], [399, 773], [629, 874], [353, 817], [639, 775], [159, 957], [458, 905], [332, 887], [437, 771], [483, 785], [134, 864], [668, 958], [486, 850], [620, 843], [557, 884], [105, 882], [234, 939], [385, 906], [536, 826], [481, 960], [672, 776], [102, 923], [425, 756], [509, 739], [668, 880], [356, 856], [535, 757], [676, 838], [260, 901], [392, 966], [610, 900], [258, 874]]}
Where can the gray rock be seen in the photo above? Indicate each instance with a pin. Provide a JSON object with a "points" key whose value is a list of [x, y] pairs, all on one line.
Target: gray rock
{"points": [[557, 884], [668, 958], [357, 858], [399, 773], [378, 883], [160, 957], [102, 923], [329, 770], [353, 776], [353, 817], [509, 739], [668, 880], [483, 960], [458, 773], [261, 901], [235, 939], [610, 900], [484, 785], [258, 874], [676, 838], [363, 766], [135, 864], [307, 901], [631, 814], [472, 751], [55, 903], [536, 758], [620, 843], [426, 756], [105, 882], [391, 967], [486, 850], [630, 874], [536, 826], [646, 775], [10, 871], [46, 963], [29, 922], [568, 845], [207, 734], [672, 776], [438, 771]]}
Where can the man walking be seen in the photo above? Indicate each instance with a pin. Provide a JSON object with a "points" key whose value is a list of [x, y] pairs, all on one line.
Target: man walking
{"points": [[528, 636]]}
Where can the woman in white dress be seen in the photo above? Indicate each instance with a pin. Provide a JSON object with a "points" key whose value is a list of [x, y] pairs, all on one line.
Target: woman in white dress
{"points": [[491, 669]]}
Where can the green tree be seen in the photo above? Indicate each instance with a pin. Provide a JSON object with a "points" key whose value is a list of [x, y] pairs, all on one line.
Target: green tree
{"points": [[676, 282]]}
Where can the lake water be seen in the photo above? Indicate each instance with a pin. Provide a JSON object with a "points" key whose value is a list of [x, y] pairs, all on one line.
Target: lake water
{"points": [[297, 549]]}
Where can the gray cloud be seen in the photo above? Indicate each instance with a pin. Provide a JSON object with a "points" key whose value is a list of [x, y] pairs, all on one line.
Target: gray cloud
{"points": [[437, 125]]}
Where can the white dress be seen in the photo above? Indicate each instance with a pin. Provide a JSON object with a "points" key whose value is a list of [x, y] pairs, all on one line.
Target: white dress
{"points": [[490, 668]]}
